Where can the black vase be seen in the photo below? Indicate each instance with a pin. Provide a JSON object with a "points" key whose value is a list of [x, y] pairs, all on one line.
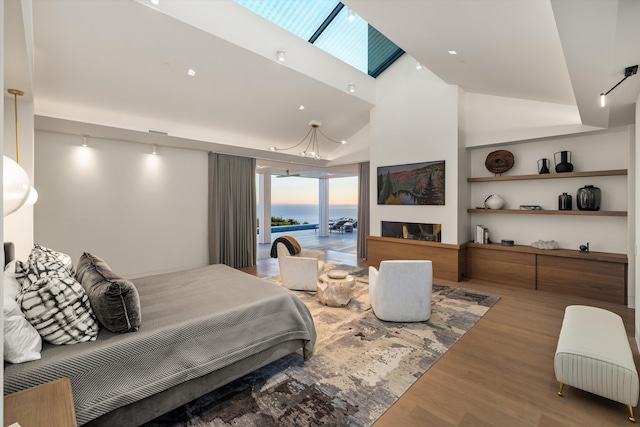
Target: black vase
{"points": [[588, 198], [543, 166], [564, 202], [564, 165]]}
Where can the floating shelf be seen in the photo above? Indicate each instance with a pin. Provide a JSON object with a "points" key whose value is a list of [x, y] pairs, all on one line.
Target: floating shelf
{"points": [[545, 212], [614, 172]]}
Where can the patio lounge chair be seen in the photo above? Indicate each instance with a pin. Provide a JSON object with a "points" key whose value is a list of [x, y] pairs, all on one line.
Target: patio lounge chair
{"points": [[338, 226]]}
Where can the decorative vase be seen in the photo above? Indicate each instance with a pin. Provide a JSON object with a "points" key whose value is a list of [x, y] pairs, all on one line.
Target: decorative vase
{"points": [[588, 198], [543, 166], [564, 202], [564, 165], [494, 202]]}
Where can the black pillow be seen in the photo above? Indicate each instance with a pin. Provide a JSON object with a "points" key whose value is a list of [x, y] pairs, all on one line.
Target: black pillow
{"points": [[115, 300]]}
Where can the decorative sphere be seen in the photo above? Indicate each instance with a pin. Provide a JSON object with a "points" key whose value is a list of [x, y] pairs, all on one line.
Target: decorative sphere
{"points": [[494, 202]]}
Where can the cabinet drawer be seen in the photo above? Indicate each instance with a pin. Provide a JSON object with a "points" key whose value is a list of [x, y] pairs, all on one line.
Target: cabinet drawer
{"points": [[509, 268], [603, 281]]}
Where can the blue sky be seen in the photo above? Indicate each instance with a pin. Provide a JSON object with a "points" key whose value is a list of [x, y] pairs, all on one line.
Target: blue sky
{"points": [[294, 190]]}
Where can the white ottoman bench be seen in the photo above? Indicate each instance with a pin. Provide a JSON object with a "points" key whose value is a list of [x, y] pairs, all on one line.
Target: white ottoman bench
{"points": [[594, 355]]}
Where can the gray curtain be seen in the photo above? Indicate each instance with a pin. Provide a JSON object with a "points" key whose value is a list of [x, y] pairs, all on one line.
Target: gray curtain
{"points": [[232, 210], [363, 209]]}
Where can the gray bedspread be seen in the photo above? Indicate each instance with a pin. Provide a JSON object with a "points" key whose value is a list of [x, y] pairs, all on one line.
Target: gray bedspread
{"points": [[193, 322]]}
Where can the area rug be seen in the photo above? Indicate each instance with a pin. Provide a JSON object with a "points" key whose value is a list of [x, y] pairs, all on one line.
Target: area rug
{"points": [[360, 365]]}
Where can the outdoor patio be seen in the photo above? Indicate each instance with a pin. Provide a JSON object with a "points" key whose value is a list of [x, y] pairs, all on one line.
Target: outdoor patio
{"points": [[311, 239]]}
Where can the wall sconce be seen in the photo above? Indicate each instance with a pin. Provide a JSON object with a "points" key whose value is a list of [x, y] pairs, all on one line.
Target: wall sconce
{"points": [[418, 65], [352, 16], [85, 140], [155, 150], [628, 72], [281, 55], [351, 87]]}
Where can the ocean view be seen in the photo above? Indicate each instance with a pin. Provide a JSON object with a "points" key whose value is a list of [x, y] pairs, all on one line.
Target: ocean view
{"points": [[309, 213]]}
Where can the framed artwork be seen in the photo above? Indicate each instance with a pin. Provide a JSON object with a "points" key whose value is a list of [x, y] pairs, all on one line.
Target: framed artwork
{"points": [[411, 184]]}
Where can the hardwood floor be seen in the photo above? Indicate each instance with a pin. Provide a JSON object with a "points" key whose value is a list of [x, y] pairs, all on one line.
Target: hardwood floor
{"points": [[501, 372]]}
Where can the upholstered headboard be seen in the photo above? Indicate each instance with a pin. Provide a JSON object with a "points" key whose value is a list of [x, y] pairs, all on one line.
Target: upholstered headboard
{"points": [[9, 252]]}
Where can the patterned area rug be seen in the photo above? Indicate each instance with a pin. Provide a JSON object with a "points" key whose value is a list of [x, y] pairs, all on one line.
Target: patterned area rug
{"points": [[360, 365]]}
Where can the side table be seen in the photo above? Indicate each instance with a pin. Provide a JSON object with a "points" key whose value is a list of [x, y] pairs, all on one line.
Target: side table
{"points": [[335, 292], [49, 404]]}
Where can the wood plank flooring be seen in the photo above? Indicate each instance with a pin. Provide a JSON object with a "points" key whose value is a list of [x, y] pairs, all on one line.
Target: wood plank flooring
{"points": [[501, 372]]}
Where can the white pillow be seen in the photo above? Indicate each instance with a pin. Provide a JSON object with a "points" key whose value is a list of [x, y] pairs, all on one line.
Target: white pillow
{"points": [[22, 343]]}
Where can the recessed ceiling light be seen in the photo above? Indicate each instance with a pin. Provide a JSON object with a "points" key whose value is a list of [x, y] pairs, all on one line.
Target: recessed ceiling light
{"points": [[452, 52], [191, 72], [301, 107]]}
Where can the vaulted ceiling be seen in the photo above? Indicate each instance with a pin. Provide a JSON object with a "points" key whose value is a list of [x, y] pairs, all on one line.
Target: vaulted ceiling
{"points": [[118, 68]]}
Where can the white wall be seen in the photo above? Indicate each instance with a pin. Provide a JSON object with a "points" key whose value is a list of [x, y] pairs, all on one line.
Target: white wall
{"points": [[633, 253], [415, 120], [143, 214], [495, 119], [631, 219], [590, 152]]}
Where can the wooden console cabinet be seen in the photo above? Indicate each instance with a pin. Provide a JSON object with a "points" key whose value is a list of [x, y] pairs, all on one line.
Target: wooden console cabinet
{"points": [[449, 261], [595, 275]]}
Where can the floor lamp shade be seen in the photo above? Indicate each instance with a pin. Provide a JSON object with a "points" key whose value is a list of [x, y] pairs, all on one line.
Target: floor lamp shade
{"points": [[15, 186]]}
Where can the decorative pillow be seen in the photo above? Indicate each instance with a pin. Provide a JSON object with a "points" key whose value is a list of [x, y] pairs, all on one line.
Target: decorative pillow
{"points": [[43, 262], [59, 309], [22, 343], [114, 300], [45, 254]]}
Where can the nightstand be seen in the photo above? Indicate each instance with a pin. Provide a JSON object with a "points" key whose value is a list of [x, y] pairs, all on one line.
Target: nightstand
{"points": [[49, 404]]}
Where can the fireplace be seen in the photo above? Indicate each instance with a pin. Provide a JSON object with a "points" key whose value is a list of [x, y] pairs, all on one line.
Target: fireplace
{"points": [[412, 231]]}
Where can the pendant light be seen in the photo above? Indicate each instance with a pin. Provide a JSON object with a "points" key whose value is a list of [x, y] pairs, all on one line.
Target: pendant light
{"points": [[16, 186], [310, 142]]}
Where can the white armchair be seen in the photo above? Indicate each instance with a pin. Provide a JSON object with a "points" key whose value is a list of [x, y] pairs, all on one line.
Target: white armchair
{"points": [[301, 271], [401, 290]]}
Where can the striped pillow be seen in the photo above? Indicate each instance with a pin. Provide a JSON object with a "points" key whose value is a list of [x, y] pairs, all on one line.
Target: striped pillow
{"points": [[59, 309]]}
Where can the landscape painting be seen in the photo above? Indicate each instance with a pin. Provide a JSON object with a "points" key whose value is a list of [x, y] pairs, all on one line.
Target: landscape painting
{"points": [[411, 184]]}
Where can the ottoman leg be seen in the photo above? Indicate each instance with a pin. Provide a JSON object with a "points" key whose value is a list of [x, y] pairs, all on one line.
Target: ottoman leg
{"points": [[560, 391], [631, 417]]}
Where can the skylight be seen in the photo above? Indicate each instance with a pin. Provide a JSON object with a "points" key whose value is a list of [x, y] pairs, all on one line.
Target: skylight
{"points": [[325, 23]]}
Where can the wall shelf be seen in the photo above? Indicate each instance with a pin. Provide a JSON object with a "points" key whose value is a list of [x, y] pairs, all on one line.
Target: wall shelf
{"points": [[545, 212], [613, 172]]}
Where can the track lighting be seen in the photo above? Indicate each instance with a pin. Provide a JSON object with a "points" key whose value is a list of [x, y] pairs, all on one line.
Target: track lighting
{"points": [[628, 72]]}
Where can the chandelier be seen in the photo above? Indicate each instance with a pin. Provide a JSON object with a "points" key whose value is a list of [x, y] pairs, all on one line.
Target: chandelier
{"points": [[310, 142]]}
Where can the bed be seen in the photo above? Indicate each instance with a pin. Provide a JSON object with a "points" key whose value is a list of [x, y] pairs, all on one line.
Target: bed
{"points": [[200, 329]]}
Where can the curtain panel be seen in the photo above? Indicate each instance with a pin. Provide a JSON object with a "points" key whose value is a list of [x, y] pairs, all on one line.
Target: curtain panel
{"points": [[232, 210], [363, 209]]}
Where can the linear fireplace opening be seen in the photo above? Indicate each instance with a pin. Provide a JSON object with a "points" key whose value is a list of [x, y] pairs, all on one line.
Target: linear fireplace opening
{"points": [[412, 231]]}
